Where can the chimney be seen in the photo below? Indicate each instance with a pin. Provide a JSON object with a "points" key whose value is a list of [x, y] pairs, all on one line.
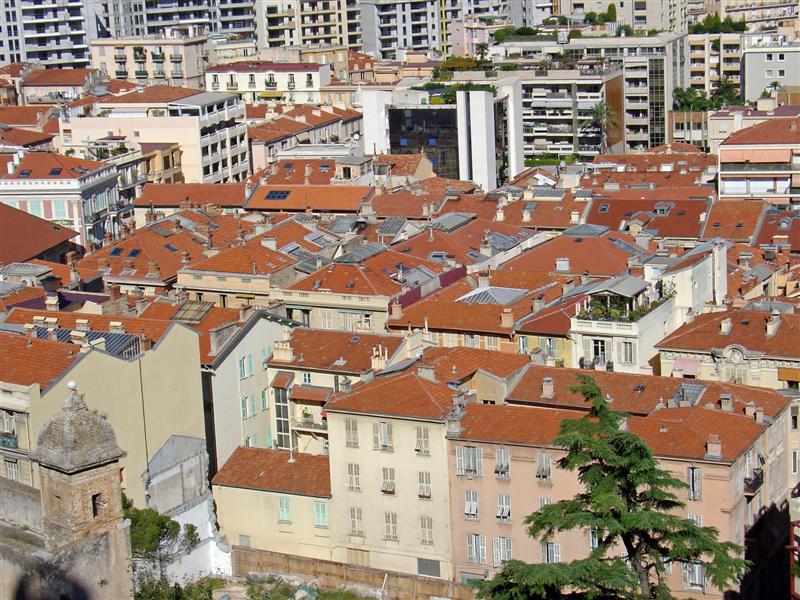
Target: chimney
{"points": [[689, 318], [82, 324], [426, 372], [270, 243], [274, 169], [30, 330], [725, 326], [177, 227], [750, 409], [145, 342], [574, 217], [585, 278], [713, 446], [500, 215], [51, 302], [244, 312], [486, 245], [282, 351], [116, 327], [153, 268], [726, 402], [345, 385], [484, 279], [380, 354], [395, 310], [569, 284], [77, 337], [526, 215], [773, 323], [52, 334], [759, 414], [185, 260], [538, 303], [506, 318], [114, 291], [548, 388]]}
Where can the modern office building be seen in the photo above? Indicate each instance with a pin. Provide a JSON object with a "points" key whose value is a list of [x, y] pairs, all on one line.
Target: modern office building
{"points": [[217, 16]]}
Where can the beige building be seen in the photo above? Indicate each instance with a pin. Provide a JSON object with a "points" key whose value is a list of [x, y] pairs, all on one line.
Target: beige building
{"points": [[255, 81], [663, 15], [724, 123], [273, 500], [298, 22], [179, 58], [759, 14], [713, 56], [155, 369]]}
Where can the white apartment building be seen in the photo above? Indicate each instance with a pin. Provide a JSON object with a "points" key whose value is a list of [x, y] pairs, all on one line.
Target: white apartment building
{"points": [[759, 14], [663, 15], [51, 33], [308, 22], [256, 81], [216, 16], [768, 60], [115, 18], [75, 193], [176, 57], [206, 126]]}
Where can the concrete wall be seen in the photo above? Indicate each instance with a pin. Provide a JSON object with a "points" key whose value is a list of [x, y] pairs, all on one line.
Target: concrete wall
{"points": [[20, 504]]}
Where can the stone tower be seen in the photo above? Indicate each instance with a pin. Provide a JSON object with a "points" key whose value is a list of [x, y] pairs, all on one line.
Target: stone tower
{"points": [[82, 518]]}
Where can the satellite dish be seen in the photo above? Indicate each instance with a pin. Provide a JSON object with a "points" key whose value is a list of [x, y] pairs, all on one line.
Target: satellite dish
{"points": [[356, 136]]}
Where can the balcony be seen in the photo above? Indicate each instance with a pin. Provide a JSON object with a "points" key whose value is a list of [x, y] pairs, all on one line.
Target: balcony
{"points": [[290, 85], [120, 56], [157, 56], [176, 57], [757, 167], [140, 74], [753, 483], [232, 85], [9, 440], [308, 425], [121, 74], [270, 85]]}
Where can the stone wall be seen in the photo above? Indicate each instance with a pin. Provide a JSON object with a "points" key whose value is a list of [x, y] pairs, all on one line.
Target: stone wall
{"points": [[398, 586], [20, 504]]}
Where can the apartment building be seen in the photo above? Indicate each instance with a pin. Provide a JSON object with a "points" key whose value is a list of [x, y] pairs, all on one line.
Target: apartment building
{"points": [[752, 346], [760, 14], [255, 81], [176, 57], [724, 123], [769, 61], [213, 144], [53, 34], [142, 357], [234, 17], [762, 162], [57, 86], [79, 194], [308, 22], [652, 67], [643, 15], [732, 457], [714, 56]]}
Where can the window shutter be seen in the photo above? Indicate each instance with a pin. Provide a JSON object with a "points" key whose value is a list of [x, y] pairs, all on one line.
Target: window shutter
{"points": [[459, 460], [249, 364], [544, 553], [698, 483], [479, 461], [389, 440], [690, 481], [482, 548], [376, 436], [467, 502], [556, 552], [587, 348], [496, 552], [685, 568], [620, 351]]}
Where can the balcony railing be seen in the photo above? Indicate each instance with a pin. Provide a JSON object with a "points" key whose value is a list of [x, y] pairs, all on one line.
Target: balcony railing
{"points": [[121, 74], [753, 483], [309, 424], [157, 56], [232, 85], [141, 74], [9, 440], [755, 167]]}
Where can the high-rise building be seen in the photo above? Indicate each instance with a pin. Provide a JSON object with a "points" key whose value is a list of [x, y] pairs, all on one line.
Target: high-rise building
{"points": [[661, 15], [308, 22]]}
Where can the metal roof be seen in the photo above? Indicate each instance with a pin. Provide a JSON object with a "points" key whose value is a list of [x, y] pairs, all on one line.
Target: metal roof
{"points": [[392, 225], [492, 295], [451, 221], [361, 253], [18, 268]]}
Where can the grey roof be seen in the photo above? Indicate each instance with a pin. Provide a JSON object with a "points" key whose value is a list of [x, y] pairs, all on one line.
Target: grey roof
{"points": [[202, 99], [451, 221], [492, 295], [342, 224], [76, 439], [18, 268], [688, 392], [624, 285], [547, 192], [8, 287], [418, 276], [392, 225], [586, 230], [174, 451], [770, 305], [361, 253]]}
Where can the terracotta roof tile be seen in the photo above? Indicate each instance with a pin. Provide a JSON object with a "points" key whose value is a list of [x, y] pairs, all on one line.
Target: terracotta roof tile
{"points": [[28, 361], [45, 77], [310, 393], [25, 116], [772, 131], [335, 351], [22, 295], [14, 69], [23, 137], [274, 471], [224, 195], [48, 165], [401, 164], [735, 220], [553, 320], [274, 130], [251, 258], [156, 94], [459, 364], [24, 236], [781, 228], [317, 198], [665, 218], [294, 171]]}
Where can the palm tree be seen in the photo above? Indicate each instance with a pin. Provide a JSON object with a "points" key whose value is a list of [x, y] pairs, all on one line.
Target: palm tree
{"points": [[602, 117], [481, 49]]}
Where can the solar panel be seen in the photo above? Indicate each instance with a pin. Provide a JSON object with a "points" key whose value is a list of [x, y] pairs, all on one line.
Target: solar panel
{"points": [[170, 247], [134, 252], [540, 192], [193, 311], [116, 252], [277, 195]]}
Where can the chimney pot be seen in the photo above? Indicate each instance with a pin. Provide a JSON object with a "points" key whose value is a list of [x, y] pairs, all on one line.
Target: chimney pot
{"points": [[725, 326], [506, 318], [395, 310], [548, 387], [714, 446]]}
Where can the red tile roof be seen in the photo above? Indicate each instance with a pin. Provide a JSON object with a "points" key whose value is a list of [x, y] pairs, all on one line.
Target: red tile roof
{"points": [[24, 236], [735, 220], [28, 361], [748, 330], [401, 164], [294, 171], [156, 94], [58, 77], [276, 471], [771, 132], [26, 116], [314, 116], [335, 351], [14, 69], [274, 130], [310, 393], [21, 295], [459, 364], [317, 198], [553, 320], [119, 86], [680, 218], [251, 258], [781, 228], [48, 165], [23, 137], [173, 195]]}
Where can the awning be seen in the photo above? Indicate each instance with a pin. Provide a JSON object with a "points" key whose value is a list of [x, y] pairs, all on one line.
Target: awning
{"points": [[685, 366], [756, 156], [282, 380], [271, 94], [303, 137], [311, 393], [787, 374]]}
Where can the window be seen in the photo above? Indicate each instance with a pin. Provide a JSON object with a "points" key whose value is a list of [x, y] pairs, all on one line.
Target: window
{"points": [[245, 366], [770, 73], [251, 80], [696, 519], [693, 575], [543, 469], [781, 73], [244, 540], [471, 504], [469, 461], [627, 352], [781, 57], [694, 478], [423, 441], [426, 530], [282, 418], [353, 477], [501, 463], [284, 512], [504, 508], [501, 550], [320, 514], [264, 404], [795, 413], [544, 501], [476, 548], [244, 408], [12, 469], [306, 378], [325, 319], [390, 525], [471, 340], [491, 342], [382, 436], [265, 355], [356, 522], [424, 484], [594, 538], [387, 487], [59, 209], [794, 462], [97, 505], [252, 398], [351, 433], [35, 208], [769, 57], [603, 208], [599, 349], [551, 552]]}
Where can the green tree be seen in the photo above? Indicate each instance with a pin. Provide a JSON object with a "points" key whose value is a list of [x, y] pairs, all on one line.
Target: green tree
{"points": [[624, 30], [726, 93], [603, 118], [481, 49], [590, 18], [611, 12], [629, 501], [562, 20], [689, 100]]}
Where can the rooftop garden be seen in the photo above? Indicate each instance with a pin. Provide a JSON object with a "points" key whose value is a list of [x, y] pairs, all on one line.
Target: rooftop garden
{"points": [[613, 307], [714, 24], [443, 93]]}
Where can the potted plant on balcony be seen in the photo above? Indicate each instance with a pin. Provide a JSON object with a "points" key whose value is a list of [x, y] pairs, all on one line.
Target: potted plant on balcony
{"points": [[307, 416]]}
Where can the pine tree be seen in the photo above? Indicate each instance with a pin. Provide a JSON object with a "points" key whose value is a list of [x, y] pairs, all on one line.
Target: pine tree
{"points": [[629, 501]]}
